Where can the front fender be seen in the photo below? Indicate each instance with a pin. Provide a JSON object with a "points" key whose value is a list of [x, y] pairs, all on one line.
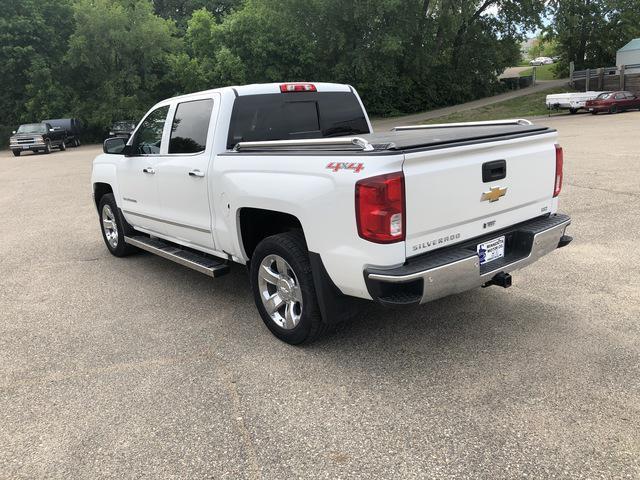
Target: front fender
{"points": [[105, 173]]}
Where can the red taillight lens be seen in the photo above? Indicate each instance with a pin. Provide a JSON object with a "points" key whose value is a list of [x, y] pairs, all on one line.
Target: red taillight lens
{"points": [[559, 161], [380, 211], [297, 87]]}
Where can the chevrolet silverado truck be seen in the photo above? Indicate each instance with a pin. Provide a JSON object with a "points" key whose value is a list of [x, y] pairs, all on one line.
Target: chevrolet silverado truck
{"points": [[37, 137], [290, 180]]}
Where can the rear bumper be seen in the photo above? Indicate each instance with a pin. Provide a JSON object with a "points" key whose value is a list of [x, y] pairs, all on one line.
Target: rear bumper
{"points": [[456, 269]]}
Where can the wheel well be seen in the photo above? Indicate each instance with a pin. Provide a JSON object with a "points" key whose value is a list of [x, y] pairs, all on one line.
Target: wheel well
{"points": [[257, 224], [100, 190]]}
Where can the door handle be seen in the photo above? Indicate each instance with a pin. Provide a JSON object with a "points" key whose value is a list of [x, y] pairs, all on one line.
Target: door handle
{"points": [[196, 173], [149, 170]]}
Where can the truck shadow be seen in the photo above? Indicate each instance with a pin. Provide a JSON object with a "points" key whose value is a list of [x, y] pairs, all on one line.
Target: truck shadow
{"points": [[473, 319]]}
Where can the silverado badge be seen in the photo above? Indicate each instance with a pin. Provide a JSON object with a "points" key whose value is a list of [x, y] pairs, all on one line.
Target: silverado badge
{"points": [[494, 194]]}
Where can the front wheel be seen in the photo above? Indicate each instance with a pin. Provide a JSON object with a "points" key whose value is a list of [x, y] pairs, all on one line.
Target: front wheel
{"points": [[613, 109], [113, 227], [573, 111], [16, 153], [47, 147], [283, 288]]}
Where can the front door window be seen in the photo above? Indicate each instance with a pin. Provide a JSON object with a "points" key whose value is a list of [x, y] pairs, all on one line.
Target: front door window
{"points": [[148, 138]]}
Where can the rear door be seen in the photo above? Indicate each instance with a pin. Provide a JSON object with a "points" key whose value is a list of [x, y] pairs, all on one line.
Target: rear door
{"points": [[454, 194], [183, 172]]}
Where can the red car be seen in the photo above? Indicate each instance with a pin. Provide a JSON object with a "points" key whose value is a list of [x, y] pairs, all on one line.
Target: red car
{"points": [[613, 102]]}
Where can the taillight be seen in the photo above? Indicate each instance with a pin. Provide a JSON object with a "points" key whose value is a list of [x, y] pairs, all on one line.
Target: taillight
{"points": [[559, 161], [297, 87], [380, 210]]}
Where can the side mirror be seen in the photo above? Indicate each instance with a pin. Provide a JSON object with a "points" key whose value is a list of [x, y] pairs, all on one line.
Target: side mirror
{"points": [[52, 129], [114, 146]]}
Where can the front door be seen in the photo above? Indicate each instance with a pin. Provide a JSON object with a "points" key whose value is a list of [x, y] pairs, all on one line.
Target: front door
{"points": [[137, 180], [183, 182]]}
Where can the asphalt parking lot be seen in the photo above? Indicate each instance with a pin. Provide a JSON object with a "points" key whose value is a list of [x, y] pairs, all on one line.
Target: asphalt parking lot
{"points": [[137, 367]]}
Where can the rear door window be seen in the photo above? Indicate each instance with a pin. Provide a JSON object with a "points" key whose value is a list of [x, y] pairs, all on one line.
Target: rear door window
{"points": [[190, 126], [299, 115]]}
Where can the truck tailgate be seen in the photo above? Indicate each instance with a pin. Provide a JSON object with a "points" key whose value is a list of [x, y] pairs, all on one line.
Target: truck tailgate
{"points": [[461, 192]]}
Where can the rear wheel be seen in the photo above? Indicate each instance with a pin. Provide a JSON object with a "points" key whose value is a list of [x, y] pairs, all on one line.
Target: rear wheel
{"points": [[573, 111], [114, 227], [613, 109], [63, 146], [594, 112], [283, 288], [16, 153]]}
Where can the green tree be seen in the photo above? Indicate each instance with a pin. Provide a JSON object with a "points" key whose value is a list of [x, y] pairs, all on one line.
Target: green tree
{"points": [[181, 10], [589, 32], [120, 55], [402, 55], [33, 42]]}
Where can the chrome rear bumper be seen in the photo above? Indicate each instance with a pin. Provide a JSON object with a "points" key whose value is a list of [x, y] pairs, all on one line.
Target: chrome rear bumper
{"points": [[457, 269]]}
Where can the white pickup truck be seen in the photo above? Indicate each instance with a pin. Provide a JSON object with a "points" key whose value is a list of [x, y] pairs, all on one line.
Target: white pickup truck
{"points": [[290, 180]]}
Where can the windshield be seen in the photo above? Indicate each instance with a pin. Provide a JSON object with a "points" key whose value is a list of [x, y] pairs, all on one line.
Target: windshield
{"points": [[292, 116], [604, 96], [33, 128]]}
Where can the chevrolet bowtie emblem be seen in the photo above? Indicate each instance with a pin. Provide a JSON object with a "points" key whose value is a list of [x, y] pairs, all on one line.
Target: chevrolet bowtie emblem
{"points": [[494, 194]]}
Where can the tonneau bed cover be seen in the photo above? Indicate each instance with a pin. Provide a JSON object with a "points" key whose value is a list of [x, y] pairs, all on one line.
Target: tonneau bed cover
{"points": [[441, 136], [417, 137]]}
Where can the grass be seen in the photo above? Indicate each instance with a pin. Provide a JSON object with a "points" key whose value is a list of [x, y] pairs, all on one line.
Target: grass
{"points": [[543, 72], [532, 105]]}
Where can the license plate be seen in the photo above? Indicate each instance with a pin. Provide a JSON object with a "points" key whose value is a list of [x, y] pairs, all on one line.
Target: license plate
{"points": [[25, 147], [491, 250]]}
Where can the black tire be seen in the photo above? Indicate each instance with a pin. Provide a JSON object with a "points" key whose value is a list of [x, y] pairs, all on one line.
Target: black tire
{"points": [[613, 109], [16, 153], [573, 111], [594, 112], [291, 246], [120, 249], [63, 146], [47, 147], [77, 142]]}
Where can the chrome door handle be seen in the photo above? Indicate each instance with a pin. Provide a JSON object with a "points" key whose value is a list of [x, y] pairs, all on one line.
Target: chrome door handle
{"points": [[196, 173], [149, 170]]}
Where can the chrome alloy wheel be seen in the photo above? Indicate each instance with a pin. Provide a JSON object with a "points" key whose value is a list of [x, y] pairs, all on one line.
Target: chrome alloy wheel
{"points": [[109, 226], [280, 291]]}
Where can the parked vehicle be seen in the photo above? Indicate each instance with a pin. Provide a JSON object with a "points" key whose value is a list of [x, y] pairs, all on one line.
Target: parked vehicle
{"points": [[570, 101], [289, 180], [536, 62], [122, 129], [613, 102], [37, 137], [73, 127]]}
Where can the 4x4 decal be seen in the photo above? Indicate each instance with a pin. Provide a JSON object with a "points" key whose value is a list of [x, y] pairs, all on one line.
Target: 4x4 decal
{"points": [[356, 167]]}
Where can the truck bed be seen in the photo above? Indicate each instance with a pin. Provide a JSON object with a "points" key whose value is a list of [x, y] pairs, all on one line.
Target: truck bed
{"points": [[441, 137]]}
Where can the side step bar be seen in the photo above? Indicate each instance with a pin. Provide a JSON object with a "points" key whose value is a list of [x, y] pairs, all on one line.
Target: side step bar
{"points": [[201, 263]]}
